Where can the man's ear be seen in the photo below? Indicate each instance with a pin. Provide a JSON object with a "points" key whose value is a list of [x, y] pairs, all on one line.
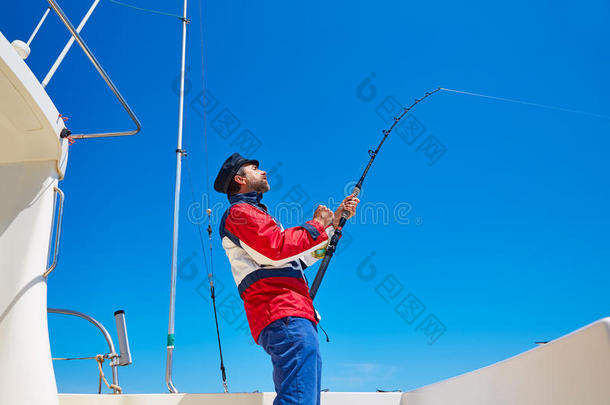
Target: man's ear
{"points": [[239, 179]]}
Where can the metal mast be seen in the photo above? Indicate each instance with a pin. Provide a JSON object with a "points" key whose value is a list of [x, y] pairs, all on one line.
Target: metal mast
{"points": [[179, 154]]}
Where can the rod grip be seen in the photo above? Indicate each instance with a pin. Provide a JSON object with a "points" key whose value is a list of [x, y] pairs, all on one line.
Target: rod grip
{"points": [[313, 290], [355, 193]]}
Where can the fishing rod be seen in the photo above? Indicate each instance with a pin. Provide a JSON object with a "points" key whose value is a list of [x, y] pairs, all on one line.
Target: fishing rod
{"points": [[332, 245]]}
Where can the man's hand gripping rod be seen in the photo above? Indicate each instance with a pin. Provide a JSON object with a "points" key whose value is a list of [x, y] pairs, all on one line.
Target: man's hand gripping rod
{"points": [[332, 245]]}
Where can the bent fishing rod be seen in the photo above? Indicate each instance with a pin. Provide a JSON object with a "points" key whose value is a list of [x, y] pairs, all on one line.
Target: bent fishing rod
{"points": [[332, 245]]}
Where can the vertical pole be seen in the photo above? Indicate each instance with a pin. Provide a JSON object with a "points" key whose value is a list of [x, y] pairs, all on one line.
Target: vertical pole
{"points": [[44, 17], [63, 53], [179, 154]]}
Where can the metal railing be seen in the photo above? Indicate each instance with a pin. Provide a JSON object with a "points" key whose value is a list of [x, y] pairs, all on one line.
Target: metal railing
{"points": [[76, 36], [113, 355], [60, 211], [102, 73]]}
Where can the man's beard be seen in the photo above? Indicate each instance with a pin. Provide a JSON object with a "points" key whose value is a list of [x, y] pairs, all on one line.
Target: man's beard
{"points": [[260, 186]]}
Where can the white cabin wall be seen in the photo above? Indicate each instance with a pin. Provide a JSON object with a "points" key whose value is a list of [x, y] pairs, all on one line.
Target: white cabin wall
{"points": [[26, 216]]}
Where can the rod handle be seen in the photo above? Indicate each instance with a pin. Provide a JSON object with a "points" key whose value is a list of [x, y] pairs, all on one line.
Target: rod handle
{"points": [[345, 213], [313, 290]]}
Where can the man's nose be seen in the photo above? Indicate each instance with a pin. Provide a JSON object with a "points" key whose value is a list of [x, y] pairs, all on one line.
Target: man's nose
{"points": [[264, 173]]}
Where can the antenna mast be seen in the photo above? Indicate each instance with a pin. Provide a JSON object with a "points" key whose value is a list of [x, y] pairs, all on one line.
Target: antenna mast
{"points": [[179, 154]]}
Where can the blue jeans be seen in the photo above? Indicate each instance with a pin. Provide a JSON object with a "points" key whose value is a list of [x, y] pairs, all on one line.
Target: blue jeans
{"points": [[293, 346]]}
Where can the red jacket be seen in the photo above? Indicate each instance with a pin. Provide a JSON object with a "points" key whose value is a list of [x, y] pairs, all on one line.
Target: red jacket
{"points": [[268, 262]]}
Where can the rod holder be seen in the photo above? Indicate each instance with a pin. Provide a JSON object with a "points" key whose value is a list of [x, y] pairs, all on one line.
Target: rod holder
{"points": [[121, 330]]}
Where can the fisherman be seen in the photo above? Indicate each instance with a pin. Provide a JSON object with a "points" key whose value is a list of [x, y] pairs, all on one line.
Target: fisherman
{"points": [[267, 262]]}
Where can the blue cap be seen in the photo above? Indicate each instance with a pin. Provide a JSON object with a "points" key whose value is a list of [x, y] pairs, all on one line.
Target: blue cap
{"points": [[228, 171]]}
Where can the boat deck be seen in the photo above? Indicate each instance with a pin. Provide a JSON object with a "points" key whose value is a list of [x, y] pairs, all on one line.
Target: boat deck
{"points": [[262, 398], [574, 369]]}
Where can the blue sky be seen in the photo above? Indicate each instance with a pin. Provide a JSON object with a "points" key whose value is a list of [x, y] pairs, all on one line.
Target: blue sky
{"points": [[502, 240]]}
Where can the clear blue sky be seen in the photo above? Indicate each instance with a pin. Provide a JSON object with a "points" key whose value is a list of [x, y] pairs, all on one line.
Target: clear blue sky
{"points": [[507, 234]]}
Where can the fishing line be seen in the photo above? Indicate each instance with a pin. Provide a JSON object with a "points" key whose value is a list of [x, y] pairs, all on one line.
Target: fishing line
{"points": [[205, 125], [208, 210], [210, 271], [510, 100], [146, 9], [188, 171]]}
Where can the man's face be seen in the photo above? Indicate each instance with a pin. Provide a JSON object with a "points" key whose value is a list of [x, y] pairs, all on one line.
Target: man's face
{"points": [[256, 179]]}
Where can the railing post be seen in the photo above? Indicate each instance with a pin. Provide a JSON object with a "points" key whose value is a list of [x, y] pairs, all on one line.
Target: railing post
{"points": [[60, 193], [114, 362]]}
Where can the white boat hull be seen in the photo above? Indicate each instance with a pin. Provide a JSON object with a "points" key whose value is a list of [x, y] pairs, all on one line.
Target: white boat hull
{"points": [[32, 160]]}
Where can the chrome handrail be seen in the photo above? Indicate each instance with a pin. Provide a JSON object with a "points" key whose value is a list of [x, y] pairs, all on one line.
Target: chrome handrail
{"points": [[113, 355], [57, 231], [102, 73]]}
